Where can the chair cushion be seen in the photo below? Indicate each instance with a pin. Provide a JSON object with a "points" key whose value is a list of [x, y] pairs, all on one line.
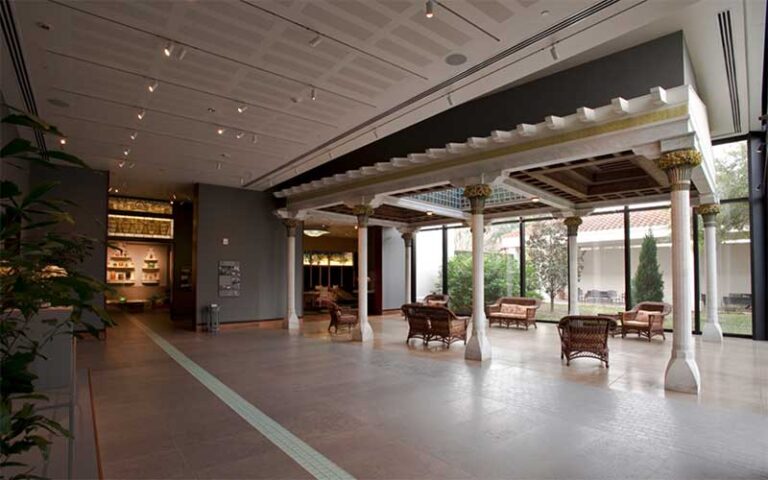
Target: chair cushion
{"points": [[435, 303], [636, 324], [644, 316], [514, 309]]}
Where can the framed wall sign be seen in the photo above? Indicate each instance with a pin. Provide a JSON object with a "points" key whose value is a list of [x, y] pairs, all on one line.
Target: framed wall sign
{"points": [[229, 278]]}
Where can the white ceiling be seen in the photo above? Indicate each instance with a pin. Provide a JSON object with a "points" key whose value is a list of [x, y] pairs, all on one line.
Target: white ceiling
{"points": [[99, 57]]}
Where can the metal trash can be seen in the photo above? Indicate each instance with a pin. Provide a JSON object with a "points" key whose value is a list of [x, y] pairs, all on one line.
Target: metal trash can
{"points": [[213, 318]]}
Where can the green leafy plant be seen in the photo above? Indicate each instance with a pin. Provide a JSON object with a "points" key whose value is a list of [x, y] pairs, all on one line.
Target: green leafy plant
{"points": [[39, 268], [547, 251], [648, 283], [501, 276]]}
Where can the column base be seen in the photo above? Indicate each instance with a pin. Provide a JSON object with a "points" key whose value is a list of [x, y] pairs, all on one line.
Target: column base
{"points": [[292, 324], [712, 332], [364, 333], [478, 348], [682, 374]]}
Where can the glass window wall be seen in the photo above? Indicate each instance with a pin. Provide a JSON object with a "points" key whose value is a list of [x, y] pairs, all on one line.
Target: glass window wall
{"points": [[429, 259]]}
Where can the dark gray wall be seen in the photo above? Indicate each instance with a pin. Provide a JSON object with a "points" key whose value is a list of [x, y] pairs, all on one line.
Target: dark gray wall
{"points": [[15, 171], [393, 268], [629, 73], [88, 190], [257, 239]]}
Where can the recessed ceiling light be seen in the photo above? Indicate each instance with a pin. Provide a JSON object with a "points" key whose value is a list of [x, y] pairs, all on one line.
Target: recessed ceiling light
{"points": [[121, 163], [430, 9], [315, 41], [545, 13], [152, 87], [63, 141], [141, 114], [455, 59], [168, 50], [535, 199], [117, 191], [255, 138], [126, 151], [313, 94], [131, 164], [239, 135], [242, 108], [430, 213], [220, 131], [134, 135]]}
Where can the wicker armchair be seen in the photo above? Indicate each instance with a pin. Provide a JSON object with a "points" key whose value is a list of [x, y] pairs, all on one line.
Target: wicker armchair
{"points": [[434, 323], [517, 310], [341, 316], [436, 300], [584, 336], [646, 319]]}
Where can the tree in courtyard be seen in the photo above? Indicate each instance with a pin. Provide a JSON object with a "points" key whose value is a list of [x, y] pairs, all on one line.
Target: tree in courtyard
{"points": [[501, 274], [648, 284], [547, 251]]}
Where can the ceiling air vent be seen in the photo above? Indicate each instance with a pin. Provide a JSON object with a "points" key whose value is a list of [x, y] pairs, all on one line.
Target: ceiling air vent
{"points": [[726, 38]]}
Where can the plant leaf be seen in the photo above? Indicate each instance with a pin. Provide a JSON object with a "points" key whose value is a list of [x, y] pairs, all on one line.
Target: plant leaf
{"points": [[26, 119]]}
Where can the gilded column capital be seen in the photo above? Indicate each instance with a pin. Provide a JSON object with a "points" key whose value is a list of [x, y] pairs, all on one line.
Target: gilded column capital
{"points": [[678, 165], [408, 238], [708, 212], [362, 212], [573, 225], [291, 224], [476, 194]]}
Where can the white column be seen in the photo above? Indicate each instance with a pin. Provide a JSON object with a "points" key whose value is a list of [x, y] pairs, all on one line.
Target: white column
{"points": [[711, 331], [478, 346], [408, 239], [682, 373], [291, 320], [363, 332], [573, 264]]}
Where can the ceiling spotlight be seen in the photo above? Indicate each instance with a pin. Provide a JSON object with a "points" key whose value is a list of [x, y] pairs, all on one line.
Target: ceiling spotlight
{"points": [[239, 135], [141, 114], [450, 100], [121, 163], [134, 135], [220, 131], [63, 141], [313, 94], [182, 53], [218, 165], [430, 12], [117, 191], [296, 99], [211, 110], [168, 50], [315, 41], [535, 199], [255, 138], [131, 164], [152, 87], [430, 213], [553, 52], [109, 189], [126, 151], [242, 181], [174, 196], [242, 108]]}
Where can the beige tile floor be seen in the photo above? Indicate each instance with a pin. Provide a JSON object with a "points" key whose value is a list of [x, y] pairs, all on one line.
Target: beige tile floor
{"points": [[389, 410]]}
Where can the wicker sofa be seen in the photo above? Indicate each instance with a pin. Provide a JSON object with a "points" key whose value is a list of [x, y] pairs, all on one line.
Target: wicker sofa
{"points": [[436, 300], [429, 322], [584, 336], [340, 316], [517, 310], [646, 319]]}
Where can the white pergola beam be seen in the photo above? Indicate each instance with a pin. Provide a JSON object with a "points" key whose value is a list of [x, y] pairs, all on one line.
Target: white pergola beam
{"points": [[424, 207], [544, 197]]}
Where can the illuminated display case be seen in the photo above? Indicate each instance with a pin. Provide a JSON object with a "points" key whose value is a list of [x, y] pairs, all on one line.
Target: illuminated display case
{"points": [[139, 227], [140, 205]]}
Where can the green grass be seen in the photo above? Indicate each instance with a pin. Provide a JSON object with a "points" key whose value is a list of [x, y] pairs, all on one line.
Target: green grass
{"points": [[732, 322]]}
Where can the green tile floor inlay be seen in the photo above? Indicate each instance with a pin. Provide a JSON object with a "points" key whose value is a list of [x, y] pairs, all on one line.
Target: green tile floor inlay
{"points": [[310, 459]]}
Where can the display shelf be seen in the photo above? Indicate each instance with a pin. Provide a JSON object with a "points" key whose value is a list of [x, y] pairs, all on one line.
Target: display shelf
{"points": [[151, 269], [122, 268], [119, 257], [120, 282], [150, 282]]}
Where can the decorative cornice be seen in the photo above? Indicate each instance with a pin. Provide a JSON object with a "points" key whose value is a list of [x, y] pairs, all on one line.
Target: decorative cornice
{"points": [[408, 238], [291, 224], [708, 209], [573, 225], [477, 194], [679, 158]]}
